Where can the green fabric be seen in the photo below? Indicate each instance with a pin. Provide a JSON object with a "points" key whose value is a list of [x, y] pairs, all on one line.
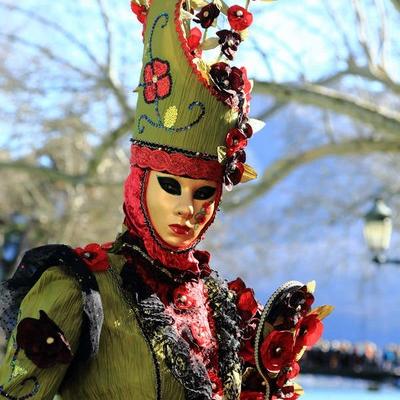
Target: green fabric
{"points": [[162, 42], [123, 368]]}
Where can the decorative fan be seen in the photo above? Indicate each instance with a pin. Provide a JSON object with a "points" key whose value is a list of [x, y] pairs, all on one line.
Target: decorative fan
{"points": [[288, 326]]}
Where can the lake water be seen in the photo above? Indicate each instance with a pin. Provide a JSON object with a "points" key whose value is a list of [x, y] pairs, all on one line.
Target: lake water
{"points": [[322, 388]]}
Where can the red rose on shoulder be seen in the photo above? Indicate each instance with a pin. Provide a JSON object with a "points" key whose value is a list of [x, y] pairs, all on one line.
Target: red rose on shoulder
{"points": [[94, 256]]}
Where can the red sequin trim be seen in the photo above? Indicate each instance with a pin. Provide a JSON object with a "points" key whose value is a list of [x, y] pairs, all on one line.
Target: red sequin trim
{"points": [[176, 163]]}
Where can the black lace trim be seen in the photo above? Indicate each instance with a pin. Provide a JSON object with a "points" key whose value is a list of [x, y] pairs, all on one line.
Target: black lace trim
{"points": [[228, 334], [158, 328]]}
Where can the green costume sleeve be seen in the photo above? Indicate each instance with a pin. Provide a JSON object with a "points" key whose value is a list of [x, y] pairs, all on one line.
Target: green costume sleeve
{"points": [[59, 296]]}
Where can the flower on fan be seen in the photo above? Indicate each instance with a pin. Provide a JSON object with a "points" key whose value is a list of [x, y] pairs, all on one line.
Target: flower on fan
{"points": [[207, 15], [285, 393], [229, 42], [308, 331], [277, 350], [287, 373], [43, 341], [157, 80], [239, 18], [94, 256]]}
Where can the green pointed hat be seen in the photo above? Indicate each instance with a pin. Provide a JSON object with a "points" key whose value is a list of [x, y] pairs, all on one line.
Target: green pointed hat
{"points": [[186, 104]]}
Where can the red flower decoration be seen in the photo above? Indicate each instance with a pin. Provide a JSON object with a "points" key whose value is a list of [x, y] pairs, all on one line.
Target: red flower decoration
{"points": [[216, 383], [94, 256], [207, 15], [234, 169], [247, 90], [277, 350], [308, 331], [194, 40], [239, 18], [157, 80], [251, 395], [237, 285], [43, 341], [287, 373], [235, 140], [247, 351], [182, 300], [139, 11], [285, 393], [247, 304]]}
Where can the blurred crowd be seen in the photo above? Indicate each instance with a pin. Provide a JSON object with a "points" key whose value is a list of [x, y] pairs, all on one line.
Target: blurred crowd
{"points": [[353, 358]]}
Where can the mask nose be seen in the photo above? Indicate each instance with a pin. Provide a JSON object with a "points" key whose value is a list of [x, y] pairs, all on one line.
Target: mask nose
{"points": [[185, 211]]}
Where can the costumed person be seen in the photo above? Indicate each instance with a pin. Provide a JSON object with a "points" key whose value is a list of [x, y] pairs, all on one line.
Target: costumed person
{"points": [[145, 317]]}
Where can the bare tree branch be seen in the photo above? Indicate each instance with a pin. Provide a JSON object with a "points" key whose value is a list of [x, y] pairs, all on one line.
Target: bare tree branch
{"points": [[360, 110], [45, 51], [276, 172], [56, 27], [396, 4], [34, 170], [106, 23], [108, 142], [362, 31]]}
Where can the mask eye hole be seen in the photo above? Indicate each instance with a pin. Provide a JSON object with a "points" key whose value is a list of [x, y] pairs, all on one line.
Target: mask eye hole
{"points": [[170, 185], [204, 193]]}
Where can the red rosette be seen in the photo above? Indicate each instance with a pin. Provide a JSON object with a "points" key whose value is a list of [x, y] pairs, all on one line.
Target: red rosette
{"points": [[239, 18], [139, 11], [308, 331], [277, 350], [94, 256]]}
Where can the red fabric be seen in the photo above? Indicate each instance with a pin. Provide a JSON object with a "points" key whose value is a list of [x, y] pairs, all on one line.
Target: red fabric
{"points": [[94, 256], [188, 306], [136, 215], [176, 163]]}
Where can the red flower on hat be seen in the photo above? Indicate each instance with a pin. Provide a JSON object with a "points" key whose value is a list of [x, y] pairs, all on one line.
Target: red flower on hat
{"points": [[235, 140], [239, 18], [94, 256], [277, 350], [194, 40], [207, 15], [234, 169], [157, 80], [43, 341], [308, 331], [140, 11]]}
